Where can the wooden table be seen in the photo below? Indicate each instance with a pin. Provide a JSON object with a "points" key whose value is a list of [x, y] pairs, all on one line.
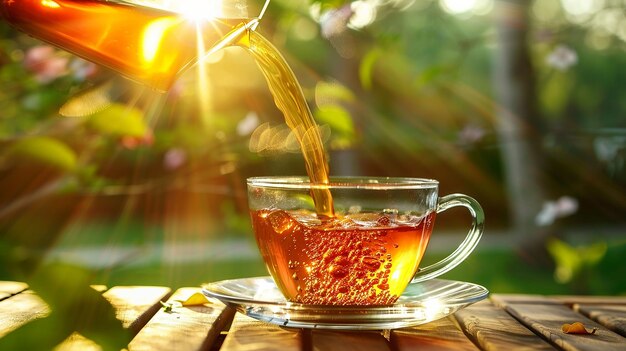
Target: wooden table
{"points": [[504, 322]]}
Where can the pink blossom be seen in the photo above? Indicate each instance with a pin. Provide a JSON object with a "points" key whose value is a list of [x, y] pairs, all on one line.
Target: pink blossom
{"points": [[45, 63], [82, 69], [552, 210], [471, 134], [335, 22], [562, 58], [566, 206], [174, 158]]}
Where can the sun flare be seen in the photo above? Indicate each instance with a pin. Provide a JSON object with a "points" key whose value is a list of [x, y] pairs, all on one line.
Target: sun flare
{"points": [[153, 36], [198, 10]]}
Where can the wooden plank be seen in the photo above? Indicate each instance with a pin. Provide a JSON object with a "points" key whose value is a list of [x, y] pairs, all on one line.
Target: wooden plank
{"points": [[440, 335], [323, 340], [77, 342], [99, 287], [494, 329], [600, 300], [547, 319], [183, 328], [134, 306], [8, 288], [249, 334], [501, 299], [611, 316], [20, 309]]}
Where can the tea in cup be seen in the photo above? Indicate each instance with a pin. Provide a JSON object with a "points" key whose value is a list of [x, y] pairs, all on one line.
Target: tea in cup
{"points": [[368, 252]]}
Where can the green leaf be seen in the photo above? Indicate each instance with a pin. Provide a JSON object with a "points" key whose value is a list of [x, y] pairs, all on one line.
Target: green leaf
{"points": [[75, 306], [330, 4], [556, 93], [119, 120], [594, 253], [571, 260], [337, 118], [567, 260], [330, 93], [167, 307], [430, 74], [45, 151], [366, 69]]}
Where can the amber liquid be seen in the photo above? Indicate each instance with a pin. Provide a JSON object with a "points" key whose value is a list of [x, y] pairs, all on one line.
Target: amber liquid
{"points": [[154, 46], [289, 98], [145, 44], [367, 260], [315, 258]]}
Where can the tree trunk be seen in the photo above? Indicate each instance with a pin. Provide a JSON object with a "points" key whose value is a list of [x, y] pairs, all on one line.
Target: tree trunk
{"points": [[519, 125]]}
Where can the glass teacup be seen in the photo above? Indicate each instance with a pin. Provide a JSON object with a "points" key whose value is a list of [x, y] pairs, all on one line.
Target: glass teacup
{"points": [[368, 253]]}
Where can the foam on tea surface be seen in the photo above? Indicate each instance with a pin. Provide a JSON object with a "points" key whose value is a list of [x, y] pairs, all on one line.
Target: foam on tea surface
{"points": [[358, 259]]}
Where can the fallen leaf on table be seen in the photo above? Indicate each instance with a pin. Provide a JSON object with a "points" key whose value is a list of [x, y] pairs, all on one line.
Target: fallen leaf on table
{"points": [[577, 328], [196, 299], [167, 307]]}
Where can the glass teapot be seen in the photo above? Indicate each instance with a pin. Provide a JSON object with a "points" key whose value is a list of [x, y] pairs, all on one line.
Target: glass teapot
{"points": [[150, 41]]}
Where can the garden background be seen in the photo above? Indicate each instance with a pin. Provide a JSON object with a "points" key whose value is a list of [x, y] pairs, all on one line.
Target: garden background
{"points": [[520, 104]]}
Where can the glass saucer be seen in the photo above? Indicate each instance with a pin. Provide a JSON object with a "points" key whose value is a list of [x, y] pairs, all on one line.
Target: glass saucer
{"points": [[420, 303]]}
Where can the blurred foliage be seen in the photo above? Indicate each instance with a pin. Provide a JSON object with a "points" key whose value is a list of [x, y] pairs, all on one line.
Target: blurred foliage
{"points": [[119, 120], [405, 88], [572, 261], [66, 289], [44, 150]]}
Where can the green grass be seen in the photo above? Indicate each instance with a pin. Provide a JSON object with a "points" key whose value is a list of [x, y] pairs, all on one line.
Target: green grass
{"points": [[503, 271], [499, 270], [182, 275]]}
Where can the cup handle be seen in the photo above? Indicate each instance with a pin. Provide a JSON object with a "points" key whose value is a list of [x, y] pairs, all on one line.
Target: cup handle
{"points": [[466, 247]]}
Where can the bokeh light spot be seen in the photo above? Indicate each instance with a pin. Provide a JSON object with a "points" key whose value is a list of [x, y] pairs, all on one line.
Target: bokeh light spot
{"points": [[305, 30], [582, 7], [458, 6], [545, 10], [364, 14]]}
